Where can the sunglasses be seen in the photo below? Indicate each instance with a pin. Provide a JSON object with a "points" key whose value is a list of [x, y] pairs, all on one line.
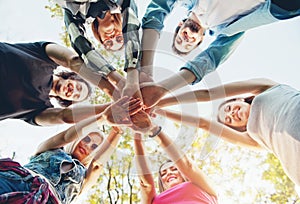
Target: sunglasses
{"points": [[87, 139], [109, 43]]}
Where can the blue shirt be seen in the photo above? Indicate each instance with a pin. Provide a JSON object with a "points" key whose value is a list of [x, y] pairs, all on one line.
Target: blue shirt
{"points": [[228, 36]]}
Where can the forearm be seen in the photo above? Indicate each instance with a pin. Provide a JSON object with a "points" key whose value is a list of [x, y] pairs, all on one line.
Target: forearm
{"points": [[132, 76], [117, 79], [178, 80], [73, 133], [101, 82], [187, 97], [54, 116], [64, 56], [198, 122], [78, 113], [107, 147], [253, 86], [141, 162], [144, 173], [149, 43], [213, 127]]}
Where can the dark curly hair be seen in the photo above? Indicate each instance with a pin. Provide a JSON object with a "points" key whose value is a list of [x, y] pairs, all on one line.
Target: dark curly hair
{"points": [[73, 76]]}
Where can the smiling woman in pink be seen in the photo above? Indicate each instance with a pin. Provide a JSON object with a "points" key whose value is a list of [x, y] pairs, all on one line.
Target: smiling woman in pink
{"points": [[268, 119], [180, 181]]}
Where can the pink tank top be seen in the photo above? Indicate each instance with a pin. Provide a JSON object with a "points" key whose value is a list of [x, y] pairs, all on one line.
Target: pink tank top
{"points": [[185, 193]]}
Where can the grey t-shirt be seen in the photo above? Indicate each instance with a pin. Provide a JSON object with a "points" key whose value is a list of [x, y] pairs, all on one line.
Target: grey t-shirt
{"points": [[274, 122]]}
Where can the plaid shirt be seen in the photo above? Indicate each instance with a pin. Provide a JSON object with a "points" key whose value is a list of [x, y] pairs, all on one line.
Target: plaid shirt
{"points": [[40, 190]]}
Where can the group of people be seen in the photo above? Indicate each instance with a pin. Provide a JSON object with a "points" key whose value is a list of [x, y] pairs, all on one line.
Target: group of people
{"points": [[68, 163]]}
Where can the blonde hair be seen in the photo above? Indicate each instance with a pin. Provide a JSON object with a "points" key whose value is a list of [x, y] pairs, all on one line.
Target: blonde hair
{"points": [[69, 148], [161, 187]]}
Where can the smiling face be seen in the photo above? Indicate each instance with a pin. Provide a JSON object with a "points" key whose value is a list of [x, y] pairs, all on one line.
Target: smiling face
{"points": [[234, 113], [72, 90], [109, 31], [189, 36], [87, 145], [170, 176]]}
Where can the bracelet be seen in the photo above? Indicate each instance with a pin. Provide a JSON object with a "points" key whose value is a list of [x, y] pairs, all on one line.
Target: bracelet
{"points": [[156, 133]]}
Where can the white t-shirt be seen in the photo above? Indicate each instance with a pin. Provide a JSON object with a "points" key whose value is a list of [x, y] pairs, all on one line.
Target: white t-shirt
{"points": [[274, 122], [212, 13]]}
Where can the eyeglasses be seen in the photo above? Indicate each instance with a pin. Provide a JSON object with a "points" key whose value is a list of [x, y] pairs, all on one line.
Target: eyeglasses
{"points": [[109, 43], [87, 139]]}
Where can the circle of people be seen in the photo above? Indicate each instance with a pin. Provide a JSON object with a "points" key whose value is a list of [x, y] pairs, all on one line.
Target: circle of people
{"points": [[70, 162]]}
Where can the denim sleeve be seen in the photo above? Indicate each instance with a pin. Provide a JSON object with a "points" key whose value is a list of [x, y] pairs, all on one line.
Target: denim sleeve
{"points": [[217, 52], [156, 13]]}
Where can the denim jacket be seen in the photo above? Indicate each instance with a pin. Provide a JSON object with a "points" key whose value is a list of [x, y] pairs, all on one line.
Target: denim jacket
{"points": [[67, 185], [228, 36]]}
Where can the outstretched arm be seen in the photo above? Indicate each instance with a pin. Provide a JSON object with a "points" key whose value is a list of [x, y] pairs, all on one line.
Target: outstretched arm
{"points": [[103, 154], [194, 70], [148, 52], [185, 165], [144, 173], [76, 30], [152, 93], [116, 114], [152, 24], [131, 26], [95, 61], [252, 86], [53, 116], [214, 127], [68, 58]]}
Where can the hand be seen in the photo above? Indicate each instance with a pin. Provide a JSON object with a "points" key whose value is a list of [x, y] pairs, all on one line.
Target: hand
{"points": [[119, 112], [152, 93], [132, 90], [145, 78], [141, 122]]}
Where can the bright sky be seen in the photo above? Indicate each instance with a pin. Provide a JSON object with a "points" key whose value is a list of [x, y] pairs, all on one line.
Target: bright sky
{"points": [[270, 51]]}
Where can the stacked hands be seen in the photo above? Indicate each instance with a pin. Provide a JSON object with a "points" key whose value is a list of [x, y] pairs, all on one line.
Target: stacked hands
{"points": [[131, 112]]}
